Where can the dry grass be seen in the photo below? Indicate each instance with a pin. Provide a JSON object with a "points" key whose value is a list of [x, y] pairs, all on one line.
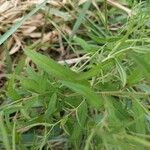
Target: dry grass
{"points": [[31, 30], [12, 11]]}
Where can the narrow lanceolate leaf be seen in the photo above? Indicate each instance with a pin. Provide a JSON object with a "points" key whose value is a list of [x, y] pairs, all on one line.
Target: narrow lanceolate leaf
{"points": [[6, 35], [30, 84], [139, 119], [135, 76], [4, 133], [86, 46], [50, 66], [122, 73], [51, 106], [92, 98], [20, 66], [94, 71], [113, 120], [82, 114], [143, 64], [12, 93], [80, 18], [138, 140]]}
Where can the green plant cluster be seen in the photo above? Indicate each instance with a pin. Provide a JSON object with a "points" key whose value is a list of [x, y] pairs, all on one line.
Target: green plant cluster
{"points": [[102, 103]]}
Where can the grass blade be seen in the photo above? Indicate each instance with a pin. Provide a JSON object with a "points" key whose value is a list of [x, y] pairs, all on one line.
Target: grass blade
{"points": [[80, 18], [122, 73], [13, 29], [4, 133], [53, 68], [50, 66], [51, 106]]}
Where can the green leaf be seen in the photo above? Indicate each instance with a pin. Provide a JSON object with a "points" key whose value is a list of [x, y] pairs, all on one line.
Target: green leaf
{"points": [[50, 66], [51, 106], [103, 40], [95, 70], [138, 140], [33, 102], [113, 121], [4, 133], [144, 87], [20, 66], [141, 49], [143, 65], [139, 116], [92, 97], [122, 73], [35, 81], [86, 47], [134, 77], [53, 68], [12, 93], [81, 16], [31, 73], [76, 134], [30, 84], [82, 114]]}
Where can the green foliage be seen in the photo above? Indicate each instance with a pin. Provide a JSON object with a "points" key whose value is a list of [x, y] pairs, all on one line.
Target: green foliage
{"points": [[102, 103], [86, 47]]}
